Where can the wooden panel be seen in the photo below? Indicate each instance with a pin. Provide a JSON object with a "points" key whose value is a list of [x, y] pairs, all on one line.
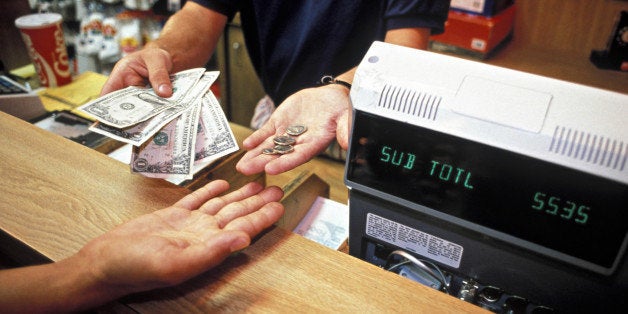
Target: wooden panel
{"points": [[566, 27], [554, 38], [299, 195]]}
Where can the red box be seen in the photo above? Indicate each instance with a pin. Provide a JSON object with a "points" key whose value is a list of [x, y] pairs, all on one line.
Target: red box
{"points": [[481, 7], [473, 34]]}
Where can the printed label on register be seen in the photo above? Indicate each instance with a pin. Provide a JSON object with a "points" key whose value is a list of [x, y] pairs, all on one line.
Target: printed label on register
{"points": [[414, 240]]}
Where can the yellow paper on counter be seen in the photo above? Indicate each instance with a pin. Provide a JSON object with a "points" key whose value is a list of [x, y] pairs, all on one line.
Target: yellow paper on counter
{"points": [[25, 72], [82, 89]]}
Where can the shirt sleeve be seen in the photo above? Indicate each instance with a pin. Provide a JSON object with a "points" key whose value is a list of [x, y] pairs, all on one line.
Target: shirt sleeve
{"points": [[228, 8], [417, 13]]}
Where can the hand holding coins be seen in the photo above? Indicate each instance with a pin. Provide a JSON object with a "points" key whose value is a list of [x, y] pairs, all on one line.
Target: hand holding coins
{"points": [[284, 143], [325, 112]]}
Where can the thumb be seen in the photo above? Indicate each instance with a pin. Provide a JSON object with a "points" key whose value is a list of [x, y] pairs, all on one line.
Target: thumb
{"points": [[343, 127], [159, 64]]}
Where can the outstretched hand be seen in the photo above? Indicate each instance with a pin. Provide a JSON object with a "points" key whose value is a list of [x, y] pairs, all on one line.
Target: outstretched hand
{"points": [[324, 110], [176, 243], [140, 68]]}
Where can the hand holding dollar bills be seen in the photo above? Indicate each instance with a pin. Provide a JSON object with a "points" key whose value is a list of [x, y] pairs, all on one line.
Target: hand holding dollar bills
{"points": [[171, 137]]}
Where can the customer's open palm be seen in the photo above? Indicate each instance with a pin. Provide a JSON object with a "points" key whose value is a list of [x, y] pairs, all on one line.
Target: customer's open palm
{"points": [[176, 243]]}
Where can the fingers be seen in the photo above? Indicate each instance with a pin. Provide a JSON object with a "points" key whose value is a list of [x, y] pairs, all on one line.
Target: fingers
{"points": [[300, 155], [197, 198], [111, 85], [253, 162], [122, 76], [306, 147], [257, 221], [259, 136], [212, 206], [153, 64], [249, 206]]}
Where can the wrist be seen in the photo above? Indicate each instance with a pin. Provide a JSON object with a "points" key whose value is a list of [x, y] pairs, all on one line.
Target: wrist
{"points": [[330, 80], [82, 288], [156, 44]]}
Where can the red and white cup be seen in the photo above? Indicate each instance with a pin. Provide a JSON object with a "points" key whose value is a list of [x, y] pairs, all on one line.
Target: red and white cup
{"points": [[43, 36]]}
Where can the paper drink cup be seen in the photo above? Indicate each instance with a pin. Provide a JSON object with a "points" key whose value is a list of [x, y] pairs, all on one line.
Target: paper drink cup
{"points": [[43, 36]]}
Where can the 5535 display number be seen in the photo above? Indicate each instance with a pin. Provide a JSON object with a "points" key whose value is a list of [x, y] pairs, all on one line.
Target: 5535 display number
{"points": [[568, 210]]}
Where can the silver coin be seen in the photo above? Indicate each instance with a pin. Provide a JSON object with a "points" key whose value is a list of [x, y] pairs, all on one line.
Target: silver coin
{"points": [[296, 130], [268, 151], [283, 149], [284, 140]]}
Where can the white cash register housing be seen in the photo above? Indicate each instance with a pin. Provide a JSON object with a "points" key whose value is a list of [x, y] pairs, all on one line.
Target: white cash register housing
{"points": [[506, 189]]}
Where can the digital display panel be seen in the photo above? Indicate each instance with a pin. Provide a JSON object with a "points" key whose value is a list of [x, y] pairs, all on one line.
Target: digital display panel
{"points": [[575, 213]]}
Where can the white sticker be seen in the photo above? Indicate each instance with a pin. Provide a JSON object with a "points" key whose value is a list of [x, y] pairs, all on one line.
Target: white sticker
{"points": [[476, 6], [414, 240], [478, 44]]}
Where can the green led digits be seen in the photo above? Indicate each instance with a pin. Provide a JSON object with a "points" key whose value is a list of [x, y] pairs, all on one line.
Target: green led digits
{"points": [[442, 171], [397, 158], [568, 210], [449, 173]]}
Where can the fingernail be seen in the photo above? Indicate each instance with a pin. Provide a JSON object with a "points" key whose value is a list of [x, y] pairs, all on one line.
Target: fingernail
{"points": [[164, 89]]}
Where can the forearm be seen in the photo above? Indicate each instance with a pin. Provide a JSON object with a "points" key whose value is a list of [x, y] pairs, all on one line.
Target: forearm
{"points": [[65, 286], [190, 36], [410, 37]]}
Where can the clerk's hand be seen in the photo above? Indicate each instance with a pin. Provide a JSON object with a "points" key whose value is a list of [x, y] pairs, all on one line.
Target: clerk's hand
{"points": [[174, 244], [324, 110], [150, 65]]}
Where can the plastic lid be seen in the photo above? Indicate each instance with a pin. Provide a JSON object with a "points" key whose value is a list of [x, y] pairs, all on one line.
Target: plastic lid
{"points": [[38, 20]]}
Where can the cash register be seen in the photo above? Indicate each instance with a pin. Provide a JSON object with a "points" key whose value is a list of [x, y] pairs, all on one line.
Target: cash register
{"points": [[505, 189]]}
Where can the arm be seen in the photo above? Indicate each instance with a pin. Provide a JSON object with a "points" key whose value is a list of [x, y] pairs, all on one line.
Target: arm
{"points": [[327, 110], [187, 40], [155, 250]]}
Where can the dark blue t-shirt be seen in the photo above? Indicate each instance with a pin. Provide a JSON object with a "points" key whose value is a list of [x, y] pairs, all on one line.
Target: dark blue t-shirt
{"points": [[293, 43]]}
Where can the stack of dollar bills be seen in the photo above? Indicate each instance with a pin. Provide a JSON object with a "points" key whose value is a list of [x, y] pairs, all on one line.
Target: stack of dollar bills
{"points": [[172, 137]]}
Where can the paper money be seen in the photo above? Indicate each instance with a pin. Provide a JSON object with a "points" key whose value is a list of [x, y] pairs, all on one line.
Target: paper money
{"points": [[139, 133], [132, 105], [182, 137], [169, 154], [215, 138]]}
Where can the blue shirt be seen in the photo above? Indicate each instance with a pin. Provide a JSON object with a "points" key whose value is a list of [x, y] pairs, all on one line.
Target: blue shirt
{"points": [[293, 43]]}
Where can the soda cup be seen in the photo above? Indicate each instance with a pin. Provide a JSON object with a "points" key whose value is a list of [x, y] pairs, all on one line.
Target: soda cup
{"points": [[43, 36]]}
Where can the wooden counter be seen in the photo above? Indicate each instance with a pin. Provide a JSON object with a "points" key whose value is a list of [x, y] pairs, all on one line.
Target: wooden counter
{"points": [[58, 194]]}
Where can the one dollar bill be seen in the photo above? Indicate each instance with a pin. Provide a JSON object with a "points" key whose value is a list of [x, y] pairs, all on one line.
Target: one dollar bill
{"points": [[132, 105], [139, 133], [169, 154]]}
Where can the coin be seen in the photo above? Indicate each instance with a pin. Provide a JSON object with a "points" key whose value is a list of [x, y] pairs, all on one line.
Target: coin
{"points": [[284, 140], [296, 130], [268, 151], [283, 149]]}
